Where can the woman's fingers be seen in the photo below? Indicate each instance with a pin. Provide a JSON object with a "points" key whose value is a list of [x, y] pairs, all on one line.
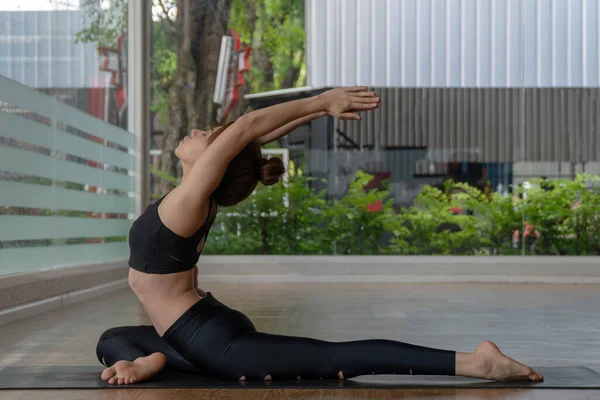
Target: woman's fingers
{"points": [[362, 94], [349, 116], [366, 99], [363, 106], [355, 88]]}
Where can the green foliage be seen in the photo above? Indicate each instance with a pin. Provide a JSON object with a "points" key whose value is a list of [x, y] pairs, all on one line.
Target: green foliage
{"points": [[430, 227], [263, 224], [566, 214], [106, 23], [115, 239], [162, 66], [345, 226], [351, 227], [109, 22], [567, 217], [497, 219], [275, 31]]}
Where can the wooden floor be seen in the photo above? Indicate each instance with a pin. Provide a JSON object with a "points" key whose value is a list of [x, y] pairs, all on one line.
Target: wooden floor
{"points": [[187, 394], [541, 325]]}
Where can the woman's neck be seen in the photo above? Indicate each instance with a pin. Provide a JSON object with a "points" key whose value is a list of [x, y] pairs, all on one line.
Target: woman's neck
{"points": [[186, 168]]}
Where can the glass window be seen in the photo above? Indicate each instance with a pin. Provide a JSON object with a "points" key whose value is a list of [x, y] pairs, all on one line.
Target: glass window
{"points": [[66, 172]]}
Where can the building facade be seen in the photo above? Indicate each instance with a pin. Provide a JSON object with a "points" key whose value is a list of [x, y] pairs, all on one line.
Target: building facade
{"points": [[453, 43], [483, 91]]}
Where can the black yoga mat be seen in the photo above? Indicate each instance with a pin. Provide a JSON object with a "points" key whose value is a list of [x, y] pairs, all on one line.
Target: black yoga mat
{"points": [[86, 377]]}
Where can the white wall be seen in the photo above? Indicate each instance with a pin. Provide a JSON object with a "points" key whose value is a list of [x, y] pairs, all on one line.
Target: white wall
{"points": [[453, 43]]}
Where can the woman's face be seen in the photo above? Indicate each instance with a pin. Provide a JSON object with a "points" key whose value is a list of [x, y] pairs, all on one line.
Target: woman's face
{"points": [[193, 145]]}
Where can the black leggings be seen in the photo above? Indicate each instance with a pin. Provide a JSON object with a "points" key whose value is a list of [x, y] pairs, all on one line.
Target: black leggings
{"points": [[213, 339]]}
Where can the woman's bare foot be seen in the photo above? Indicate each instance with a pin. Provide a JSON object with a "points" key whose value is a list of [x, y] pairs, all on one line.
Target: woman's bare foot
{"points": [[488, 362], [141, 369]]}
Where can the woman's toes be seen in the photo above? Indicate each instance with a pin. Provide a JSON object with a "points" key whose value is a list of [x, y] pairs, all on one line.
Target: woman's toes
{"points": [[534, 375], [108, 373], [112, 380]]}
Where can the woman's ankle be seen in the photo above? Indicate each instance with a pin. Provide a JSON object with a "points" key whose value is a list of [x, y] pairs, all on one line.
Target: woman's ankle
{"points": [[469, 365]]}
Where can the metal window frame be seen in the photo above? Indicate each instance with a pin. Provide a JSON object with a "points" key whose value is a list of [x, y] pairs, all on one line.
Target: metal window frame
{"points": [[138, 95]]}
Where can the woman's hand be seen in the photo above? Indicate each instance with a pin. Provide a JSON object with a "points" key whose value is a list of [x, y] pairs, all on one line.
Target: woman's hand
{"points": [[343, 103]]}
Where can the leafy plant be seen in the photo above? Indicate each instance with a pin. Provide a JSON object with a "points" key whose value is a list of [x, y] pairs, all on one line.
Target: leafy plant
{"points": [[565, 213], [264, 224], [432, 228], [358, 222], [456, 219], [498, 218]]}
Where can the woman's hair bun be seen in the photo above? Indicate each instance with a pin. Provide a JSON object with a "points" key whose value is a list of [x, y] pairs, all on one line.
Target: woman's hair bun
{"points": [[271, 170]]}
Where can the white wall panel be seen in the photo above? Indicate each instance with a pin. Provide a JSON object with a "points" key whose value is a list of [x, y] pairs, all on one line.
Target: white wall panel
{"points": [[453, 43]]}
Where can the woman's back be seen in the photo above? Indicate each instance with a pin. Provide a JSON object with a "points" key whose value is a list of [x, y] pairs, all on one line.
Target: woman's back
{"points": [[162, 259]]}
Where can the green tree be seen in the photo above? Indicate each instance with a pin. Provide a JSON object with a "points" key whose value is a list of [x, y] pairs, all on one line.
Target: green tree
{"points": [[184, 72], [106, 23], [186, 43], [275, 30]]}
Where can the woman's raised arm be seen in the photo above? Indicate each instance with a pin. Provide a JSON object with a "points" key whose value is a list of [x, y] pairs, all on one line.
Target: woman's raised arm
{"points": [[208, 170]]}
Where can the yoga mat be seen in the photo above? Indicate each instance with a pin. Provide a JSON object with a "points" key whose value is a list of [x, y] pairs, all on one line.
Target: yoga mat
{"points": [[88, 377]]}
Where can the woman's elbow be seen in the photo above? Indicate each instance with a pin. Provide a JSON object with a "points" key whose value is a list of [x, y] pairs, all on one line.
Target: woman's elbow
{"points": [[247, 125], [246, 122]]}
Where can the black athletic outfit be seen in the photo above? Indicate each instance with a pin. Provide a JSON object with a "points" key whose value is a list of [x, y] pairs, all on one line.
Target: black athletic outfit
{"points": [[213, 339]]}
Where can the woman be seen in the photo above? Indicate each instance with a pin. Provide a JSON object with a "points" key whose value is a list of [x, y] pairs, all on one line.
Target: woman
{"points": [[193, 331]]}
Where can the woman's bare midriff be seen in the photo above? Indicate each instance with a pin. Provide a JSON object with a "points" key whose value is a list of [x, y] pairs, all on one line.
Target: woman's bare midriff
{"points": [[165, 297]]}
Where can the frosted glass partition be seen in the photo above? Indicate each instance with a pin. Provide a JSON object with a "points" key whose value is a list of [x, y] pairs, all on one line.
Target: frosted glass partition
{"points": [[66, 183]]}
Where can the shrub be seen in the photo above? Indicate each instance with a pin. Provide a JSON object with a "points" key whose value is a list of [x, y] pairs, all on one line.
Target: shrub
{"points": [[295, 219]]}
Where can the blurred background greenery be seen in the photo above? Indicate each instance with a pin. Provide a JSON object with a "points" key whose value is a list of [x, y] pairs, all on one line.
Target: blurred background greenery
{"points": [[455, 219]]}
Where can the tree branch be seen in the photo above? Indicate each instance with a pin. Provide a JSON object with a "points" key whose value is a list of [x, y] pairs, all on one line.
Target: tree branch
{"points": [[165, 11]]}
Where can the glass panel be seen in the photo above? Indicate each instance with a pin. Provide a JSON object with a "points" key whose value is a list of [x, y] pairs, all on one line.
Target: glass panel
{"points": [[429, 182], [66, 151], [451, 169], [560, 175], [557, 174]]}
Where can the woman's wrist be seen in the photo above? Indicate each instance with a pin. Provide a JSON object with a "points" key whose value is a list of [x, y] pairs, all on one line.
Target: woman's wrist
{"points": [[322, 103]]}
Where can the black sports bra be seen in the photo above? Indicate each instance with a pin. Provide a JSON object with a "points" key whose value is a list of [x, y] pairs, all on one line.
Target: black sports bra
{"points": [[155, 249]]}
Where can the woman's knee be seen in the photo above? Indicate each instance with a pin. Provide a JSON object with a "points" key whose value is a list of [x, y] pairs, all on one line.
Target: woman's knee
{"points": [[108, 344], [113, 333]]}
